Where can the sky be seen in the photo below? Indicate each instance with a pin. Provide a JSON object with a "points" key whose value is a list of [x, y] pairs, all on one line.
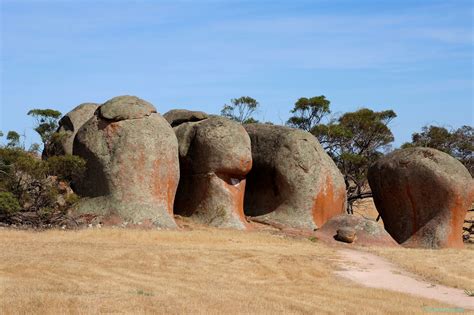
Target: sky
{"points": [[415, 57]]}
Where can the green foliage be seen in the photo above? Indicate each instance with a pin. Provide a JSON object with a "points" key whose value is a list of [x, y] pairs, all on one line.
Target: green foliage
{"points": [[241, 109], [459, 142], [13, 139], [54, 145], [66, 167], [308, 112], [46, 122], [1, 133], [35, 182], [355, 141], [33, 191], [34, 148], [8, 203], [72, 199], [144, 293]]}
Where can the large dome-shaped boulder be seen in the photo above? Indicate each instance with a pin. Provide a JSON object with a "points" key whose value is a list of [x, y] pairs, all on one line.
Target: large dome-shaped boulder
{"points": [[132, 164], [69, 124], [367, 232], [422, 195], [293, 181], [215, 157]]}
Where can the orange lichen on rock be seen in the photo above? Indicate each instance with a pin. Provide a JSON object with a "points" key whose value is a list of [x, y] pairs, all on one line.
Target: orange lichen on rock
{"points": [[237, 192], [458, 213], [329, 202]]}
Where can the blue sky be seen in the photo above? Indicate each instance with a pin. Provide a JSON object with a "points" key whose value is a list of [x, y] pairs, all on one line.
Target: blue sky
{"points": [[411, 56]]}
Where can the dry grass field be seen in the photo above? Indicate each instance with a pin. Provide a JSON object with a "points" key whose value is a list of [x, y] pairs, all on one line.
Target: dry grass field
{"points": [[199, 271]]}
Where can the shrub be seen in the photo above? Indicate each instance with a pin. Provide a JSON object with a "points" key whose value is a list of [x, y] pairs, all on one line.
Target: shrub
{"points": [[8, 203], [66, 167], [34, 183]]}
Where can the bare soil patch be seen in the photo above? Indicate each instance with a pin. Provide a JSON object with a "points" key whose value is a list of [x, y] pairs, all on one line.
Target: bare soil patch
{"points": [[373, 271]]}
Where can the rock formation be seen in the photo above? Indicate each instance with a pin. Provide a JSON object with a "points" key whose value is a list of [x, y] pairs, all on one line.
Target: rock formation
{"points": [[132, 164], [215, 157], [346, 234], [178, 116], [293, 181], [367, 232], [422, 196], [68, 127]]}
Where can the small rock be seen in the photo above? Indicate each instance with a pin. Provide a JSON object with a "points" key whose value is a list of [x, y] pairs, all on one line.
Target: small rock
{"points": [[346, 235]]}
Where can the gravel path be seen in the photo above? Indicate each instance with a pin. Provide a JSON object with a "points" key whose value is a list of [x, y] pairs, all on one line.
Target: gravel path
{"points": [[376, 272]]}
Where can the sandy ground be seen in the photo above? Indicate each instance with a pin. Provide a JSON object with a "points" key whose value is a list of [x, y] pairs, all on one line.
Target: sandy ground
{"points": [[373, 271]]}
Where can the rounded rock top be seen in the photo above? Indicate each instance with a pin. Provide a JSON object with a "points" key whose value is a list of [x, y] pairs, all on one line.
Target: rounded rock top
{"points": [[179, 116], [126, 107]]}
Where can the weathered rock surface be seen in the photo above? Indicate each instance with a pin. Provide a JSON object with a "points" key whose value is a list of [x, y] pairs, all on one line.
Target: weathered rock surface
{"points": [[214, 157], [358, 229], [132, 164], [69, 124], [293, 181], [422, 196], [178, 116], [126, 107], [346, 234]]}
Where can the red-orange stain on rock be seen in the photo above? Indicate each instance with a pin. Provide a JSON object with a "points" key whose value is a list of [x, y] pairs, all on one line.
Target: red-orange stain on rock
{"points": [[237, 195], [458, 214], [328, 202], [164, 183], [110, 131], [171, 189]]}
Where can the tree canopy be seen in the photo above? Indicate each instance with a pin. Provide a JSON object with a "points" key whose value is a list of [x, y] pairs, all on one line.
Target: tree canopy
{"points": [[13, 139], [457, 142], [241, 110], [356, 140], [308, 112], [46, 122]]}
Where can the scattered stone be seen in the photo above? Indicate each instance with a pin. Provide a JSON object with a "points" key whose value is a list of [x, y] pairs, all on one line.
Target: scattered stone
{"points": [[346, 234], [422, 195], [345, 227]]}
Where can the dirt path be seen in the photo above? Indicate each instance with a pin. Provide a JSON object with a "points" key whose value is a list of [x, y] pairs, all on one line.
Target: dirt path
{"points": [[373, 271]]}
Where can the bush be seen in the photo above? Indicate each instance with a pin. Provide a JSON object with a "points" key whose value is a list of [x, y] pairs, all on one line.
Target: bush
{"points": [[35, 184], [66, 167], [8, 203]]}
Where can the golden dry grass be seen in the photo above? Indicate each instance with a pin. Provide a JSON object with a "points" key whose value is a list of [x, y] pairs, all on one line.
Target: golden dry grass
{"points": [[366, 208], [451, 267], [199, 271]]}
